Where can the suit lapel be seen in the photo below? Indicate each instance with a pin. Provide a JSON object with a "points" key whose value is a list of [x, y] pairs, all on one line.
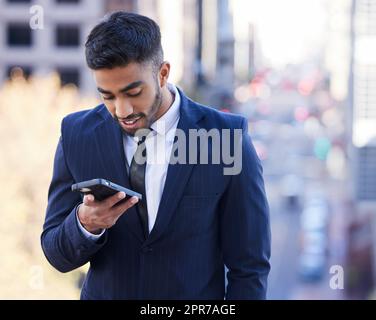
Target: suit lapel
{"points": [[109, 143], [177, 174]]}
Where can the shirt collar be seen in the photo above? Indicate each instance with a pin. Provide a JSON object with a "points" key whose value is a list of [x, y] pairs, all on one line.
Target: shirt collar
{"points": [[165, 123]]}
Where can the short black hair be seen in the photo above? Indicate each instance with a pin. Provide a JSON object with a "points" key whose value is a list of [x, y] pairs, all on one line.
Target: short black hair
{"points": [[122, 38]]}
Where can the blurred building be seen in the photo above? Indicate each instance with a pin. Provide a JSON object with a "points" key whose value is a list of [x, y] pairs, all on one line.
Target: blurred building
{"points": [[363, 97], [114, 5], [214, 59], [57, 42], [49, 35], [338, 49], [179, 35], [198, 40]]}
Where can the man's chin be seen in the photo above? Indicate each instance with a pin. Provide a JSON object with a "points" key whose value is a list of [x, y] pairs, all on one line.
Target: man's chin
{"points": [[132, 129], [130, 132]]}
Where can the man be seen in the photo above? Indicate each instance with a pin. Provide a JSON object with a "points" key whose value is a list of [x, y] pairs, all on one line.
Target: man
{"points": [[193, 219]]}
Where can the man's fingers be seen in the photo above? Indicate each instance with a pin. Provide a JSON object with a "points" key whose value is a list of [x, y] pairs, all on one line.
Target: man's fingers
{"points": [[88, 199], [111, 201], [121, 208]]}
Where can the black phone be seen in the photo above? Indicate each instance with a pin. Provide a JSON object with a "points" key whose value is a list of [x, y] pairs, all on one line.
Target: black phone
{"points": [[102, 189]]}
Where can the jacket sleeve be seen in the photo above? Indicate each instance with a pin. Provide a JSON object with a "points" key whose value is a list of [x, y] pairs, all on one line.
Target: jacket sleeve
{"points": [[63, 243], [245, 228]]}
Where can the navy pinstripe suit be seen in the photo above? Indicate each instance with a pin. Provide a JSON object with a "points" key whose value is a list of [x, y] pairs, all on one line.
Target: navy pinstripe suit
{"points": [[205, 219]]}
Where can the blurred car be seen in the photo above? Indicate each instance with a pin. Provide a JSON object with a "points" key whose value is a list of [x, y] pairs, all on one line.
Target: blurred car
{"points": [[291, 190], [314, 222], [315, 241], [318, 201], [312, 266], [313, 219], [315, 215]]}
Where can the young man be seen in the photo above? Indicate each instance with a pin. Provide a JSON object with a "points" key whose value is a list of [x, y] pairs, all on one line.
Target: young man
{"points": [[193, 219]]}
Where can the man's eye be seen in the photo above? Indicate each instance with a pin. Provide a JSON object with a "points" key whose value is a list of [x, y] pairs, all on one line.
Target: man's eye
{"points": [[108, 98], [134, 94]]}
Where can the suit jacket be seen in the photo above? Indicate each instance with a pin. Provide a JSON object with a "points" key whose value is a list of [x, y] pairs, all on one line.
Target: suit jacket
{"points": [[206, 220]]}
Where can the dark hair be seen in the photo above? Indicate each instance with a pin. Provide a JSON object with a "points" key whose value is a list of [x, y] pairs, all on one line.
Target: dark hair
{"points": [[121, 38]]}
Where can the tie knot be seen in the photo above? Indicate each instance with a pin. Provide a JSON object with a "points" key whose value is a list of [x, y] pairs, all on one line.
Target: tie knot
{"points": [[141, 140], [142, 134]]}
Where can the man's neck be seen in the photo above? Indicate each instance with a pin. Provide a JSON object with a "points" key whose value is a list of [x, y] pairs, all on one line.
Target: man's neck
{"points": [[167, 101]]}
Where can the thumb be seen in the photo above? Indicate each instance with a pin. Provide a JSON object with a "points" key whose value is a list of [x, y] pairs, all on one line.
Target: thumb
{"points": [[88, 199]]}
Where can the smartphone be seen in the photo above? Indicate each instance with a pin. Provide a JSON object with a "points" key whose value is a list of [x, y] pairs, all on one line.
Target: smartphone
{"points": [[102, 189]]}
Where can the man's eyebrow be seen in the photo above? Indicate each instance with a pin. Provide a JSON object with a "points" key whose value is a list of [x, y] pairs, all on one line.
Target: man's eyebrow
{"points": [[103, 91], [131, 86], [125, 89]]}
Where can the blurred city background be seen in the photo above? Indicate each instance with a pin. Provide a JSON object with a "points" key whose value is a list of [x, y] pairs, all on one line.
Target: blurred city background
{"points": [[302, 71]]}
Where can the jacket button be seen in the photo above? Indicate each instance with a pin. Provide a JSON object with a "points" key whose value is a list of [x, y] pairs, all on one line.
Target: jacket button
{"points": [[147, 249]]}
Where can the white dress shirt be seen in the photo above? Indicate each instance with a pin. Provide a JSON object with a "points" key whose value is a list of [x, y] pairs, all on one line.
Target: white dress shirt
{"points": [[159, 145]]}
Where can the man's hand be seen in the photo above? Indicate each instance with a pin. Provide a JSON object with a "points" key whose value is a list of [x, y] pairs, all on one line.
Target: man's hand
{"points": [[96, 215]]}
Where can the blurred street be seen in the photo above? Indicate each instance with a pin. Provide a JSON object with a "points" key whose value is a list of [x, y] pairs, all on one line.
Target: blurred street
{"points": [[296, 171], [284, 281]]}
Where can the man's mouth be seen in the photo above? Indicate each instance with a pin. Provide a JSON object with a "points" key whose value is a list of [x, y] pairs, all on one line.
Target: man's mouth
{"points": [[131, 122]]}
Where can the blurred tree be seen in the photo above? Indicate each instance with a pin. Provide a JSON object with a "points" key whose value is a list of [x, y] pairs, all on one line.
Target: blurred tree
{"points": [[30, 115]]}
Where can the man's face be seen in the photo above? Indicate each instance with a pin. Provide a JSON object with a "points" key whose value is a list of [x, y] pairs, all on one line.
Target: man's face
{"points": [[131, 94]]}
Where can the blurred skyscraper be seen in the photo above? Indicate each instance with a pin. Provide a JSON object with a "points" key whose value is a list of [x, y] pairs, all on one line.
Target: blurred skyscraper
{"points": [[363, 97], [214, 65], [197, 36], [198, 40], [56, 43], [363, 89]]}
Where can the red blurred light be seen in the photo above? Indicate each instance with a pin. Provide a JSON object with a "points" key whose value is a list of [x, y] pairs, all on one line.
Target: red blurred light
{"points": [[301, 114], [305, 87]]}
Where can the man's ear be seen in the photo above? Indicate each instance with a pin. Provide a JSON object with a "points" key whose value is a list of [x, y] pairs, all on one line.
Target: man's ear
{"points": [[164, 73]]}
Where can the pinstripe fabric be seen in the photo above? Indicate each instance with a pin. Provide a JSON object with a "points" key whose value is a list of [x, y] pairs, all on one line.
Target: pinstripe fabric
{"points": [[205, 219]]}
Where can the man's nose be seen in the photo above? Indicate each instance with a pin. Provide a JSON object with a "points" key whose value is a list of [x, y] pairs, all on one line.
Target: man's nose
{"points": [[123, 108]]}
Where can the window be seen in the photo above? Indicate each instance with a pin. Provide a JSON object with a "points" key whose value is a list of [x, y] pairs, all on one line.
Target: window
{"points": [[19, 1], [19, 34], [69, 75], [114, 5], [68, 1], [13, 70], [366, 173], [67, 36]]}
